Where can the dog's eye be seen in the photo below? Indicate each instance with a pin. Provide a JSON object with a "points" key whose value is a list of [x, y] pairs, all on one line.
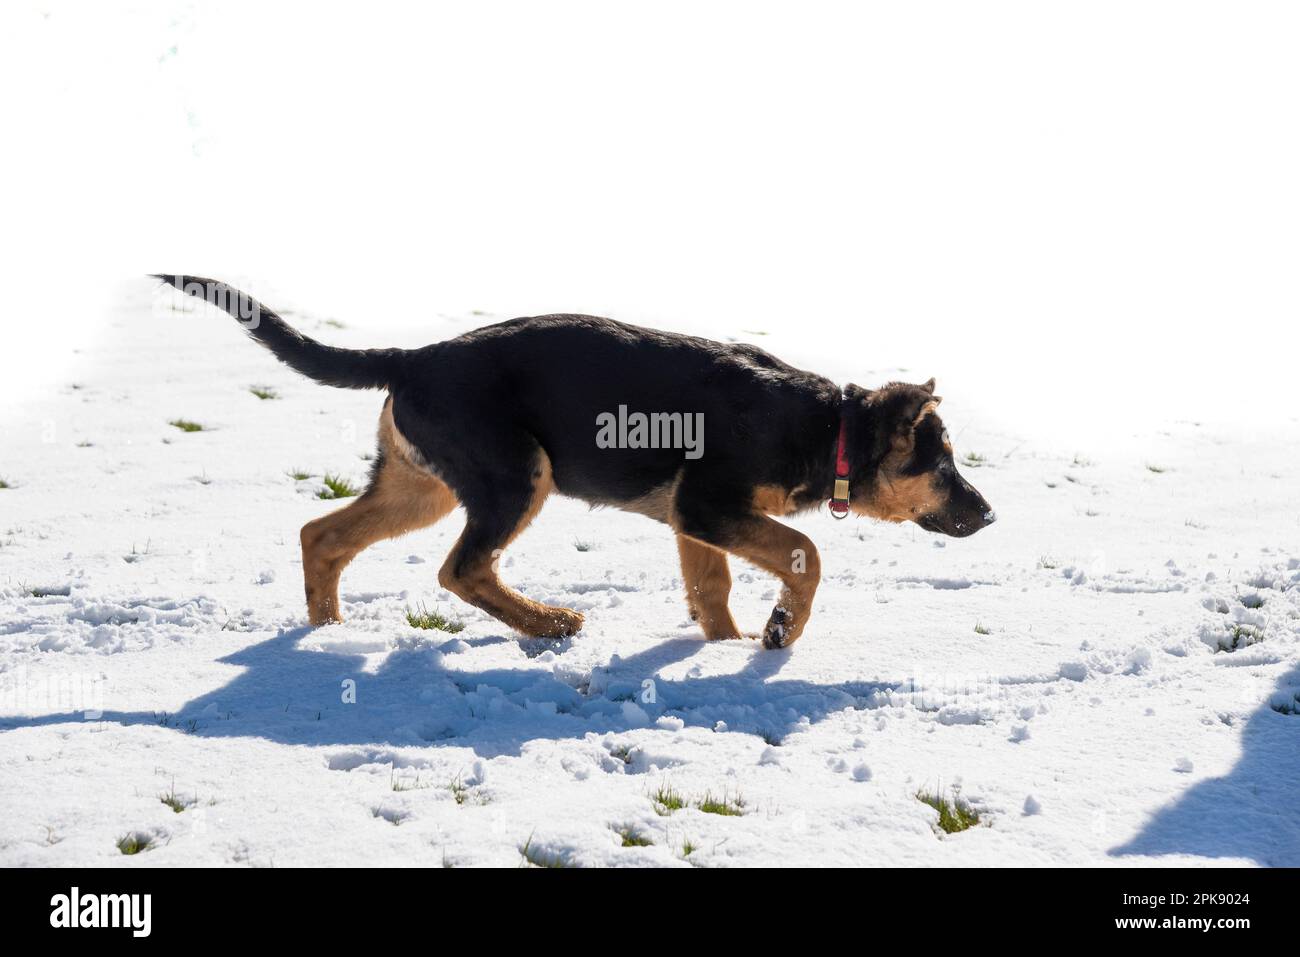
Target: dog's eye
{"points": [[947, 443]]}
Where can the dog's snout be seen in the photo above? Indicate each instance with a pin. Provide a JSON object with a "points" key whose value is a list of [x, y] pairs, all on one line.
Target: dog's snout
{"points": [[976, 512]]}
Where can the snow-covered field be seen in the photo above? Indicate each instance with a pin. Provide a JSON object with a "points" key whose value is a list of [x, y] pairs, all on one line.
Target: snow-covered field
{"points": [[1109, 676]]}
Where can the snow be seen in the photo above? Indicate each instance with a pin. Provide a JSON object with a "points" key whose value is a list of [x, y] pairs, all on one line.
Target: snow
{"points": [[1129, 699]]}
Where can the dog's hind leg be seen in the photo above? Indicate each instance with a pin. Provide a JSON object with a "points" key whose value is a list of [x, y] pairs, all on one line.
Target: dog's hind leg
{"points": [[708, 585], [500, 505], [402, 497]]}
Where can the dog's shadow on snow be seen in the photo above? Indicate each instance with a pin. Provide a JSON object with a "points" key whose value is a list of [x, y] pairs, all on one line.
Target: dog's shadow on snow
{"points": [[420, 697], [1251, 812]]}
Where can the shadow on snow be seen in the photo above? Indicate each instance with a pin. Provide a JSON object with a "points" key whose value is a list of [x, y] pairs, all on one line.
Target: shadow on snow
{"points": [[1249, 813], [417, 697]]}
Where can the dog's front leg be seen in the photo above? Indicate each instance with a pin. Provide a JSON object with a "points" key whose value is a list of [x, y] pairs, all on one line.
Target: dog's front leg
{"points": [[708, 585], [778, 549]]}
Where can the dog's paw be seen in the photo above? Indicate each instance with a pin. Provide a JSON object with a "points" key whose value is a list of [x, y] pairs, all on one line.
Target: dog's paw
{"points": [[563, 623], [777, 632]]}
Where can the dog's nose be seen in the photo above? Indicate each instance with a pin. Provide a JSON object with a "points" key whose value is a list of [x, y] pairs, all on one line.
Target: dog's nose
{"points": [[990, 517]]}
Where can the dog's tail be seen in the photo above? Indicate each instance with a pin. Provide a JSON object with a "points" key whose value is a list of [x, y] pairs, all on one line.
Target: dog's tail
{"points": [[346, 368]]}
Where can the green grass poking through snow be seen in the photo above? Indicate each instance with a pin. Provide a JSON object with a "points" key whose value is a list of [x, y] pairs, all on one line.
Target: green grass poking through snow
{"points": [[175, 801], [536, 858], [727, 807], [632, 839], [954, 815], [433, 619], [337, 487], [134, 843], [666, 800]]}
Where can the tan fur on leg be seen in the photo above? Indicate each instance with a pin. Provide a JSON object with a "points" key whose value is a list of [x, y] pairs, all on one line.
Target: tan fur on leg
{"points": [[479, 585], [708, 584], [792, 557], [400, 499]]}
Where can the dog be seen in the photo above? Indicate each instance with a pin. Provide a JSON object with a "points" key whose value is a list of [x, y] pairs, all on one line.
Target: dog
{"points": [[712, 439]]}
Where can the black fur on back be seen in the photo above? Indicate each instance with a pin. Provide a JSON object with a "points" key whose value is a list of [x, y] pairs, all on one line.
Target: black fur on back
{"points": [[495, 393]]}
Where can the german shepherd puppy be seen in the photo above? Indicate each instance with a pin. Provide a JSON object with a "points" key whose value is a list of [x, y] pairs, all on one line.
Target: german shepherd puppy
{"points": [[710, 438]]}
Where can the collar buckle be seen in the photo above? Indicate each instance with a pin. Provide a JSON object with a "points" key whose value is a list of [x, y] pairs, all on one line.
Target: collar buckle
{"points": [[839, 504]]}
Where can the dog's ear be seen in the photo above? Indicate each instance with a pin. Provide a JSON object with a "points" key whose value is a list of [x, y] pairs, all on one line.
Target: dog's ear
{"points": [[856, 392], [914, 413], [929, 387], [898, 410]]}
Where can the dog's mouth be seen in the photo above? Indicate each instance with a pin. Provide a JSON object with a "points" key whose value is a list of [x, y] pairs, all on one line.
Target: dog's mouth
{"points": [[930, 524]]}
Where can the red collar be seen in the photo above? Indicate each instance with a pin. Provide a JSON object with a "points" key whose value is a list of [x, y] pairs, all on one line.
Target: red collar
{"points": [[839, 503]]}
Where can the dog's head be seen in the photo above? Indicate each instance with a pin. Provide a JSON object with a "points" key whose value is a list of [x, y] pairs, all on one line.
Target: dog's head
{"points": [[915, 478]]}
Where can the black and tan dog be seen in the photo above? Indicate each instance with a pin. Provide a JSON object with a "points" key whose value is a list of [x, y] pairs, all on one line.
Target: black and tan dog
{"points": [[710, 438]]}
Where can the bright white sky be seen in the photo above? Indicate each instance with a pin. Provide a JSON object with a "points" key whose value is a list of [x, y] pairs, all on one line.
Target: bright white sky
{"points": [[1073, 212]]}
